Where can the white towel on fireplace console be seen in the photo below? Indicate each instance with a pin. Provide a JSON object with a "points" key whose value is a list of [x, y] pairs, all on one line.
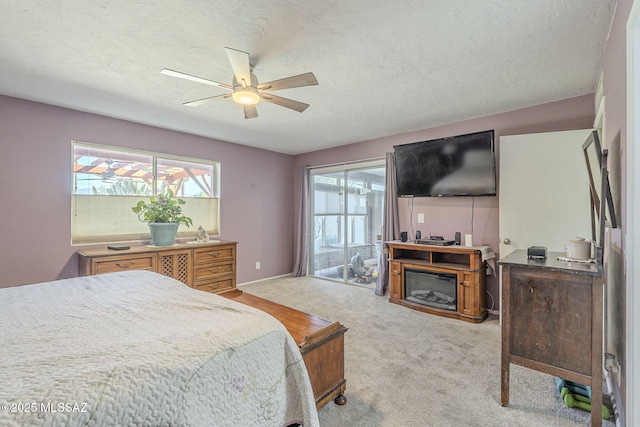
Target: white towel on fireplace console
{"points": [[489, 257]]}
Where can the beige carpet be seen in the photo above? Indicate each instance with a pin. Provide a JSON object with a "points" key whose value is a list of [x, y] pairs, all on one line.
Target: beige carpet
{"points": [[407, 368]]}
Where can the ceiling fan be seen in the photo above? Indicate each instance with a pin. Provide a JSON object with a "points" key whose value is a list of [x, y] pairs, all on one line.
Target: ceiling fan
{"points": [[245, 88]]}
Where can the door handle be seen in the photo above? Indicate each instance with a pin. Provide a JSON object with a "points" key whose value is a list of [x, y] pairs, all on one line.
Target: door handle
{"points": [[507, 241]]}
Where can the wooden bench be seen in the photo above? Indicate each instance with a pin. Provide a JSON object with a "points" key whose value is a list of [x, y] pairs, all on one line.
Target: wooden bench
{"points": [[321, 343]]}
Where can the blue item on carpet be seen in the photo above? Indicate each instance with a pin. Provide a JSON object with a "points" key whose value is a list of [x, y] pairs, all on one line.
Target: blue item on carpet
{"points": [[575, 388]]}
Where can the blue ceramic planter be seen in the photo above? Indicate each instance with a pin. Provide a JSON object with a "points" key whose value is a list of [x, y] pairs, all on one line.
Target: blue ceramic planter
{"points": [[163, 233]]}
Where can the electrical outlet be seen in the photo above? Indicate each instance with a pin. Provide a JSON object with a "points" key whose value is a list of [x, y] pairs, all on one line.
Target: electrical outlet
{"points": [[420, 218], [257, 265]]}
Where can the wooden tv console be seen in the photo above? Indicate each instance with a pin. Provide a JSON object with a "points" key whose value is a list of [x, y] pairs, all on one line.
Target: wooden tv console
{"points": [[320, 341], [465, 262]]}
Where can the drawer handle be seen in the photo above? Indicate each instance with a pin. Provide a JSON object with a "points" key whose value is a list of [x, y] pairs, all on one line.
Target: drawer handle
{"points": [[215, 270], [125, 266], [215, 254]]}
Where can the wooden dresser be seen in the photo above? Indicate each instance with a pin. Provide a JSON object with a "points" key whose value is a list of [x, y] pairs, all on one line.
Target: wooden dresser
{"points": [[552, 321], [208, 267], [320, 341]]}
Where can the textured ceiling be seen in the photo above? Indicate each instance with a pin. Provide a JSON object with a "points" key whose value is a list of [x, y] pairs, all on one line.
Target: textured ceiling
{"points": [[384, 67]]}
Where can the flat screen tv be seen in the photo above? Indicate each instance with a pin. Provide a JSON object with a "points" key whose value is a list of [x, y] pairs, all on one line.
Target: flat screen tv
{"points": [[462, 165]]}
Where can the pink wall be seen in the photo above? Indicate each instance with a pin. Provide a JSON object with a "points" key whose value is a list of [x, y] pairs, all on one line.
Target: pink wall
{"points": [[259, 187], [445, 216], [256, 190]]}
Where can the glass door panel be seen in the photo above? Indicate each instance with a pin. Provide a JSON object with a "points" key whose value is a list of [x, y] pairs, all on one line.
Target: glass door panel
{"points": [[365, 196], [347, 212], [327, 212]]}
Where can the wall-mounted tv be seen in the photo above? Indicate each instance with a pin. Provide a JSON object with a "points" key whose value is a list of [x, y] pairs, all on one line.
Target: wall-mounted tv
{"points": [[462, 165]]}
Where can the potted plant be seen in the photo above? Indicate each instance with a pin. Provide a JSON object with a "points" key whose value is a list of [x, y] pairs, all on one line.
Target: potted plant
{"points": [[163, 213]]}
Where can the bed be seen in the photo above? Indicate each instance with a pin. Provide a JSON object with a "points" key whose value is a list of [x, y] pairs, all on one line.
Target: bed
{"points": [[138, 348]]}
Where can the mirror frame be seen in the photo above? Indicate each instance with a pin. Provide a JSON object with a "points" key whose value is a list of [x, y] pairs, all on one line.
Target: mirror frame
{"points": [[592, 144], [600, 192]]}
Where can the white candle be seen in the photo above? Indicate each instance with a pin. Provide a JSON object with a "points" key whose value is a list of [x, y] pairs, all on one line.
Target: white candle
{"points": [[468, 239]]}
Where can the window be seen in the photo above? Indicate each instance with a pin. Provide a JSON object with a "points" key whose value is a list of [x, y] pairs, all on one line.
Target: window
{"points": [[108, 181]]}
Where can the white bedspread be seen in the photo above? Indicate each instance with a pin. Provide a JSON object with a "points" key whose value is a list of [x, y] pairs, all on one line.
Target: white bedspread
{"points": [[141, 349]]}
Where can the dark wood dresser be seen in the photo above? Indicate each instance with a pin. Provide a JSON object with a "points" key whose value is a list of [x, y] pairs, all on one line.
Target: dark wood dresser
{"points": [[552, 321]]}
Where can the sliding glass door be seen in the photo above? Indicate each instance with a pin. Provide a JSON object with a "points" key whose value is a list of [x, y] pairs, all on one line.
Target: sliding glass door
{"points": [[346, 222]]}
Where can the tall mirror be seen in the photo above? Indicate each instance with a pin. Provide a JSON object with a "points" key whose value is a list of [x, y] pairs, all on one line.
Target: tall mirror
{"points": [[602, 209], [593, 158]]}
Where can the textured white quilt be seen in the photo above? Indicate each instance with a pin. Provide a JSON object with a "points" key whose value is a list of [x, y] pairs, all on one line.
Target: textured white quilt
{"points": [[141, 349]]}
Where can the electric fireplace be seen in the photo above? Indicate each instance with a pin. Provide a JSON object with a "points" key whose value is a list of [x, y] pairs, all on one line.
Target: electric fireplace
{"points": [[433, 289]]}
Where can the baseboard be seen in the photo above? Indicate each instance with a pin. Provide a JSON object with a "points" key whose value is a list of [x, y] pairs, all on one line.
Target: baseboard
{"points": [[266, 278], [617, 404]]}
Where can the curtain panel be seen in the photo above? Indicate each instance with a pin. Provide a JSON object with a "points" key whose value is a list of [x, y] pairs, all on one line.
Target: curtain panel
{"points": [[301, 232], [390, 226]]}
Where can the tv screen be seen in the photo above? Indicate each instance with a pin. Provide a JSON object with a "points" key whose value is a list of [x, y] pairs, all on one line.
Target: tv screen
{"points": [[461, 165]]}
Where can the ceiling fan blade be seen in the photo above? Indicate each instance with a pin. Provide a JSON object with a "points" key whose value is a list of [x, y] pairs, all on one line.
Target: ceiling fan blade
{"points": [[240, 64], [186, 76], [203, 101], [250, 111], [306, 79], [285, 102]]}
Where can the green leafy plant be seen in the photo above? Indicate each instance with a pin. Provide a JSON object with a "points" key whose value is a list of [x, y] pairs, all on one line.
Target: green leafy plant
{"points": [[162, 208]]}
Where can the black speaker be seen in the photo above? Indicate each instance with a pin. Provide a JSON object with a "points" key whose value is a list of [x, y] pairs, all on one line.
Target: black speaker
{"points": [[403, 236], [538, 252], [458, 238], [418, 235]]}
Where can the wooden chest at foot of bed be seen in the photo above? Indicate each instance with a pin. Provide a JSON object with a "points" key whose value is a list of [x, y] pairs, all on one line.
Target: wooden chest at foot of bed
{"points": [[321, 343]]}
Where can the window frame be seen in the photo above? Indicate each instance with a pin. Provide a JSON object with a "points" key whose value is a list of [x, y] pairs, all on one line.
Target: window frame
{"points": [[206, 207]]}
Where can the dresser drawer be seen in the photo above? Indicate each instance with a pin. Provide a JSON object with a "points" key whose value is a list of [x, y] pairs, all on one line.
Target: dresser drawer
{"points": [[214, 254], [214, 286], [213, 271], [125, 262]]}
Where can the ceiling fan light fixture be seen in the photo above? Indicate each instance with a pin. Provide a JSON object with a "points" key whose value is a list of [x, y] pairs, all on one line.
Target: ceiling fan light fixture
{"points": [[245, 88], [246, 95]]}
